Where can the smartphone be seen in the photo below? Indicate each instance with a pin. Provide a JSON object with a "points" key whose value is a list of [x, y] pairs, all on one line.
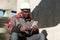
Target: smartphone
{"points": [[34, 23]]}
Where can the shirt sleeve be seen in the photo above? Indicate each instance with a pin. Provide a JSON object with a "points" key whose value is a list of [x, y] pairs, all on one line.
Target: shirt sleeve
{"points": [[11, 24]]}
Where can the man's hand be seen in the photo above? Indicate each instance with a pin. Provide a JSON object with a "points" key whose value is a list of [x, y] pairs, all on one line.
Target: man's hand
{"points": [[35, 27], [23, 28]]}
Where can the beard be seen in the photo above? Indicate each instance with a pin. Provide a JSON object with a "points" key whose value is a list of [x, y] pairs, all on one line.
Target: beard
{"points": [[26, 15]]}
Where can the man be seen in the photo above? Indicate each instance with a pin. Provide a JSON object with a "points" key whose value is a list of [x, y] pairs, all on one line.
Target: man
{"points": [[20, 26]]}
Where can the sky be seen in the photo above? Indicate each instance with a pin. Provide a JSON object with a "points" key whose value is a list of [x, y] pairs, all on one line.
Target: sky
{"points": [[1, 13], [13, 14]]}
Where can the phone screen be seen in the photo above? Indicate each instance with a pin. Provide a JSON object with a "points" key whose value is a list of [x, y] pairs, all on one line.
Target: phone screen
{"points": [[34, 23]]}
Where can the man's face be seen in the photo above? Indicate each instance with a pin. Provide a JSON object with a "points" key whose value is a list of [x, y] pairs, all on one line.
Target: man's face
{"points": [[25, 12]]}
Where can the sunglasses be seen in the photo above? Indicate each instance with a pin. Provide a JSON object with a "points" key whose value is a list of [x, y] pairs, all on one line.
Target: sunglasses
{"points": [[25, 10]]}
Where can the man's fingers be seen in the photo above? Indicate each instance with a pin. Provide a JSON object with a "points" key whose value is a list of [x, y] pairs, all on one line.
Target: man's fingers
{"points": [[23, 28]]}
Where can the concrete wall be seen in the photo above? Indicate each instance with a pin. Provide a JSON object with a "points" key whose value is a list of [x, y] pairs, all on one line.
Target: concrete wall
{"points": [[8, 6], [53, 32], [3, 4], [34, 3]]}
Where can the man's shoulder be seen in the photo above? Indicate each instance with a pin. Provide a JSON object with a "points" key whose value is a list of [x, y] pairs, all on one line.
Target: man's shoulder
{"points": [[11, 18], [14, 17]]}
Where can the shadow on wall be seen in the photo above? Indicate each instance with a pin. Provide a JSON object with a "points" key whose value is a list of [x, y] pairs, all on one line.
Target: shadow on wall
{"points": [[47, 13]]}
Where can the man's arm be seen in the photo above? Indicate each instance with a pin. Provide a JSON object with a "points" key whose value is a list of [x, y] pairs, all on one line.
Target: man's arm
{"points": [[11, 24], [35, 29]]}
